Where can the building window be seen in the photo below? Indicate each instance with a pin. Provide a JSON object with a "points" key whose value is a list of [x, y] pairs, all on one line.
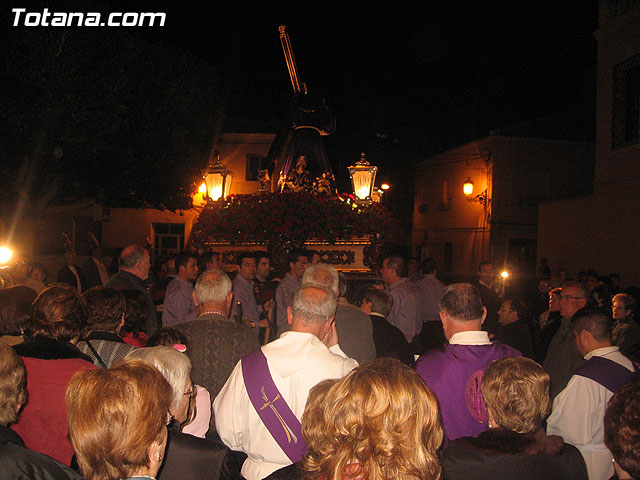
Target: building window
{"points": [[168, 240], [255, 163], [625, 120]]}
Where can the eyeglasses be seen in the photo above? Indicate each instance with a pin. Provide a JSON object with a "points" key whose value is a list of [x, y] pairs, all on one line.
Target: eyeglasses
{"points": [[569, 297], [192, 392]]}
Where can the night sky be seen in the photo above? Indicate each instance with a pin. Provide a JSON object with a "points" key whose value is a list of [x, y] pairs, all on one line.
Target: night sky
{"points": [[402, 81], [416, 80]]}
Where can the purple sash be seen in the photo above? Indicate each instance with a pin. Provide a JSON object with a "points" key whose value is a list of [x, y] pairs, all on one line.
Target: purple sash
{"points": [[611, 375], [272, 409]]}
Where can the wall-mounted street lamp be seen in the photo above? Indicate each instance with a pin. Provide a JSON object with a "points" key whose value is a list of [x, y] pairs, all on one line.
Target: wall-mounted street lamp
{"points": [[217, 179], [363, 177], [467, 188]]}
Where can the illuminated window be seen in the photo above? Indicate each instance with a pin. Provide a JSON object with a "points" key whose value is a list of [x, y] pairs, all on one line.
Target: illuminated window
{"points": [[255, 163]]}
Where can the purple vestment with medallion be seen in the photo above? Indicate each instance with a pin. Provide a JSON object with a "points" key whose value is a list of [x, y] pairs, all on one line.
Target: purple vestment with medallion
{"points": [[454, 374]]}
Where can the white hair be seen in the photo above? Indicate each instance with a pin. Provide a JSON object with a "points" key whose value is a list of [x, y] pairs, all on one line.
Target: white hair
{"points": [[212, 286], [323, 275], [174, 366]]}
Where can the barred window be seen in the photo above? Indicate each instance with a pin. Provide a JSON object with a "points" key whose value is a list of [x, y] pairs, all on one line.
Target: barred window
{"points": [[625, 121]]}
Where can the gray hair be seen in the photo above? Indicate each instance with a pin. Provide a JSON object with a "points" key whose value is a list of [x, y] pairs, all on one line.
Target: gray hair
{"points": [[174, 366], [322, 275], [212, 286], [381, 301], [314, 304], [461, 301], [131, 255]]}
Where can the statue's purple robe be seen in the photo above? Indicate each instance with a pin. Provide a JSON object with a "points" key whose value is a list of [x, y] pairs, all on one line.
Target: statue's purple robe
{"points": [[454, 374]]}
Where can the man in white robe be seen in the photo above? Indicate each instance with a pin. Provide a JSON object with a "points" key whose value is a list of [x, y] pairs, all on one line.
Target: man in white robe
{"points": [[297, 361], [578, 410]]}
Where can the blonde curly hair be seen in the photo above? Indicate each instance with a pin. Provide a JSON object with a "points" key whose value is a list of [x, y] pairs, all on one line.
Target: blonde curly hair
{"points": [[379, 422]]}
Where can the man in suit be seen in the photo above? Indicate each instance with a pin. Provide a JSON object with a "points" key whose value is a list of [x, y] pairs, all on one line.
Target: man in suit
{"points": [[134, 270], [388, 339]]}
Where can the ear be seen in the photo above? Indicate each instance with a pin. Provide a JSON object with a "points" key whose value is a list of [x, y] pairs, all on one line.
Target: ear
{"points": [[195, 300], [155, 452], [366, 307], [443, 318], [121, 324], [484, 314], [289, 316]]}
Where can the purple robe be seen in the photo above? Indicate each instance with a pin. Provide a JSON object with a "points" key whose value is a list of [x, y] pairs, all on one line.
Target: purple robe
{"points": [[454, 374]]}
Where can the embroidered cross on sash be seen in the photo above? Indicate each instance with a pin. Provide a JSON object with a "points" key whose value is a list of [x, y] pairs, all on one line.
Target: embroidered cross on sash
{"points": [[272, 409]]}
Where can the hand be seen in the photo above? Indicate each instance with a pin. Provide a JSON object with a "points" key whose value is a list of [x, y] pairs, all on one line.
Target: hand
{"points": [[331, 337]]}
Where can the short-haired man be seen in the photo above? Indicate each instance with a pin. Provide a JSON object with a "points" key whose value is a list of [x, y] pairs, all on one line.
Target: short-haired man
{"points": [[135, 263], [354, 326], [243, 292], [578, 410], [178, 303], [388, 340], [514, 327], [562, 357], [16, 460], [264, 289], [105, 317], [291, 366], [406, 313], [209, 261], [454, 373], [431, 335], [298, 262], [216, 342]]}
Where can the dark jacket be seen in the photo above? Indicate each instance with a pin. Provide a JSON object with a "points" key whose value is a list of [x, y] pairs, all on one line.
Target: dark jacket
{"points": [[390, 341], [65, 275], [196, 458], [504, 455], [91, 273], [17, 461], [124, 279]]}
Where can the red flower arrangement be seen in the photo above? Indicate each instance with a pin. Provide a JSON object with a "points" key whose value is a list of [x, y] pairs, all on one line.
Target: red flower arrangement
{"points": [[289, 219]]}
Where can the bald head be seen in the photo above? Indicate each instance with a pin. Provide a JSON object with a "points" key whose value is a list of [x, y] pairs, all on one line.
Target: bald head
{"points": [[135, 259]]}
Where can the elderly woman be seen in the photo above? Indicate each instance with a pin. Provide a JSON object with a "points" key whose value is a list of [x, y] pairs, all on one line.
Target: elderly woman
{"points": [[50, 356], [516, 394], [187, 456], [622, 431], [117, 421], [379, 422], [625, 333]]}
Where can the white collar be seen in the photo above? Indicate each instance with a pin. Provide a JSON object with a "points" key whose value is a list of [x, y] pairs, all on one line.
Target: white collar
{"points": [[601, 352], [471, 337]]}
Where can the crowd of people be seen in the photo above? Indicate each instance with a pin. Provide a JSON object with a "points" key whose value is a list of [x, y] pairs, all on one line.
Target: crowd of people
{"points": [[307, 374]]}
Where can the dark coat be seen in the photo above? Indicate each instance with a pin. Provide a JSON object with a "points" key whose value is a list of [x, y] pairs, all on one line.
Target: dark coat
{"points": [[17, 461], [124, 279], [390, 341], [504, 455], [65, 275], [91, 273], [196, 458]]}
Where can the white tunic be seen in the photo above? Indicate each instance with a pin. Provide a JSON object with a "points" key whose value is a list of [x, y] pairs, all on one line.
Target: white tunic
{"points": [[578, 413], [297, 362]]}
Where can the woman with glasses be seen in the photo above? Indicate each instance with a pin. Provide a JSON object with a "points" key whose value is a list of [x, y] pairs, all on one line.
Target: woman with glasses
{"points": [[187, 456], [117, 421]]}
